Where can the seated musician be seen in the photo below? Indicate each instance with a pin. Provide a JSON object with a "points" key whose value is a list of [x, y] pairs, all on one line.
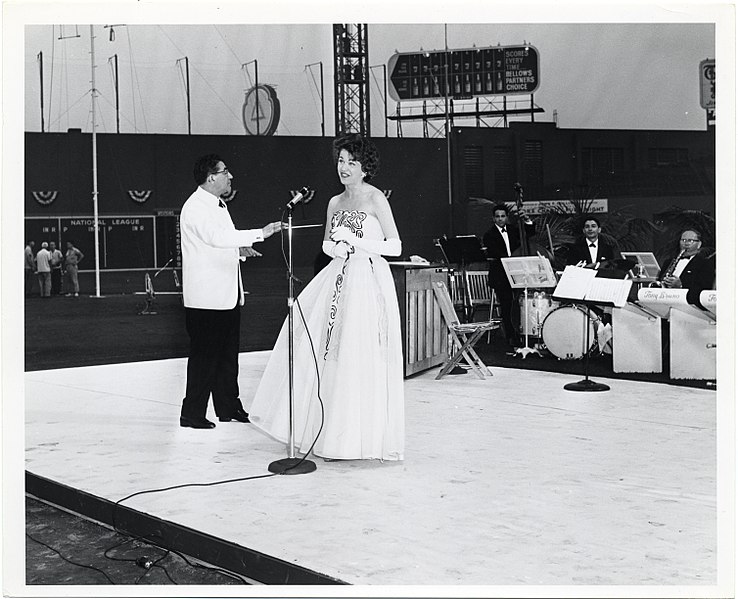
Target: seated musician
{"points": [[592, 249], [501, 240], [691, 269]]}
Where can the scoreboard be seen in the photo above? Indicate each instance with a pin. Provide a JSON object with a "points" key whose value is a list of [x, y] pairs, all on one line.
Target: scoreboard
{"points": [[463, 74], [125, 242]]}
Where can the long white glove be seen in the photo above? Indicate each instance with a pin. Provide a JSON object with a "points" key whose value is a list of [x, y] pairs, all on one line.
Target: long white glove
{"points": [[388, 247], [335, 249]]}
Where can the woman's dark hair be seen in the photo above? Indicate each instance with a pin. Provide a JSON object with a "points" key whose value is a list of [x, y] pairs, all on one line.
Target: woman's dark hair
{"points": [[204, 166], [361, 149]]}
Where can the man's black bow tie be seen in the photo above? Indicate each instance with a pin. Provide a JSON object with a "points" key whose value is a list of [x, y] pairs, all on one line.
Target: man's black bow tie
{"points": [[221, 203], [592, 245], [504, 229]]}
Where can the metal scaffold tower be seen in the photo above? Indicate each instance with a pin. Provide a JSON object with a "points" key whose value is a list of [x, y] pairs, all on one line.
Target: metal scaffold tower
{"points": [[351, 78], [485, 112]]}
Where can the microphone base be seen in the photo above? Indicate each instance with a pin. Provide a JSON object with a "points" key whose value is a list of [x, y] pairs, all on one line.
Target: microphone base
{"points": [[586, 385], [292, 466]]}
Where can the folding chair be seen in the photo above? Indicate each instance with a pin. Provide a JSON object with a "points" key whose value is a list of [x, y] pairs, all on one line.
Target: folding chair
{"points": [[463, 335], [480, 294]]}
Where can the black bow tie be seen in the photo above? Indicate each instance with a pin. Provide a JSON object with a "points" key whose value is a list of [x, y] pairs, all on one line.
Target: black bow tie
{"points": [[592, 245], [504, 229], [221, 204]]}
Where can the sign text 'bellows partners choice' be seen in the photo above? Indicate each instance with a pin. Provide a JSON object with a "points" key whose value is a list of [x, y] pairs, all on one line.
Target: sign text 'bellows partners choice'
{"points": [[463, 74]]}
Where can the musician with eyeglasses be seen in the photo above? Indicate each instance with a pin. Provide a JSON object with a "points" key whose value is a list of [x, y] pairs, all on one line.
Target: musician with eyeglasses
{"points": [[692, 268]]}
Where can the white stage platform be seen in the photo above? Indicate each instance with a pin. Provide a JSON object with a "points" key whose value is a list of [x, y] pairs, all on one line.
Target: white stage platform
{"points": [[507, 481]]}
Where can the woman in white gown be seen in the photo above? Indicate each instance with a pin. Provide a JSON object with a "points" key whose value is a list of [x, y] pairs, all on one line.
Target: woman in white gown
{"points": [[353, 322]]}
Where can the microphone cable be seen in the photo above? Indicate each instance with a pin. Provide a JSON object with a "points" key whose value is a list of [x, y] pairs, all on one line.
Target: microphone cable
{"points": [[144, 562], [148, 564], [69, 561]]}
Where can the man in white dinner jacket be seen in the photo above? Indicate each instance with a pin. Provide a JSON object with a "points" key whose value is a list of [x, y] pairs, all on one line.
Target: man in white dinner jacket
{"points": [[213, 295]]}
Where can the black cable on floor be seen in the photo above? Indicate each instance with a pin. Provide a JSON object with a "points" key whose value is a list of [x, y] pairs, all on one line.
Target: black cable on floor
{"points": [[69, 561]]}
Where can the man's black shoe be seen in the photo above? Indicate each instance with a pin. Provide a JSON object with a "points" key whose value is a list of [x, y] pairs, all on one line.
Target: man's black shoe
{"points": [[196, 422], [238, 415]]}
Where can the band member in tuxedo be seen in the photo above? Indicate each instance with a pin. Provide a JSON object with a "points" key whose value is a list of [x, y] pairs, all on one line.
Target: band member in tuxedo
{"points": [[501, 241], [691, 269], [592, 249]]}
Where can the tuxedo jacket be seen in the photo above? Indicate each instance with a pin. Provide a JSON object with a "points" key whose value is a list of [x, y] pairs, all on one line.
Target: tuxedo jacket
{"points": [[698, 275], [580, 251], [496, 249], [211, 275]]}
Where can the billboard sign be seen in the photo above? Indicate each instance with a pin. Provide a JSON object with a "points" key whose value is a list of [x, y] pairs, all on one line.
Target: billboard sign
{"points": [[537, 207], [463, 74]]}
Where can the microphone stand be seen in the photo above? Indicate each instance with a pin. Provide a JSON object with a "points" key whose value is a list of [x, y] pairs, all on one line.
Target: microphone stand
{"points": [[291, 464]]}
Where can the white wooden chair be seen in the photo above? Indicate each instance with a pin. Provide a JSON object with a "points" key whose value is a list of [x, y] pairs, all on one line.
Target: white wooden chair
{"points": [[463, 335], [482, 295]]}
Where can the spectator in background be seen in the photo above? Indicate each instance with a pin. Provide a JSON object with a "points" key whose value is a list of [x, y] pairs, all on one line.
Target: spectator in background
{"points": [[29, 266], [72, 258], [56, 268], [43, 269]]}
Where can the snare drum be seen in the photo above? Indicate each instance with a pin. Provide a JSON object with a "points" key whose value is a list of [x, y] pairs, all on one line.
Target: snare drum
{"points": [[565, 332], [540, 305]]}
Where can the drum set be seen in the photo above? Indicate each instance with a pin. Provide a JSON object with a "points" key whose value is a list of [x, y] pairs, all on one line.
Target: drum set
{"points": [[560, 328]]}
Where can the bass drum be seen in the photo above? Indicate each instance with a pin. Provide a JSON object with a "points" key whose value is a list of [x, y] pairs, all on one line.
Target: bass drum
{"points": [[564, 332]]}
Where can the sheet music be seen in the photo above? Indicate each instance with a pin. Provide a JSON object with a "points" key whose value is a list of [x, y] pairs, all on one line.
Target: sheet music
{"points": [[613, 291], [529, 271], [574, 282], [580, 284]]}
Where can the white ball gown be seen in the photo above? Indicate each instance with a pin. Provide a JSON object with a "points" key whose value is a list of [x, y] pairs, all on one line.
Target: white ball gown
{"points": [[353, 319]]}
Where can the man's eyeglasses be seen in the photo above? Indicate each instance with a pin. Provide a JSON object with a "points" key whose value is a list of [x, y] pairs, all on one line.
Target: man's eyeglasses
{"points": [[689, 240], [225, 170]]}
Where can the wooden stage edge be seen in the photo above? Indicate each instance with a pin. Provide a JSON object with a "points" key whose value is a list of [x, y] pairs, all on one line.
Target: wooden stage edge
{"points": [[168, 535]]}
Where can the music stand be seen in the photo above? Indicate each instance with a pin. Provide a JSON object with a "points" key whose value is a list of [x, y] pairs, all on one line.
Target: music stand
{"points": [[524, 272], [581, 286], [463, 250], [587, 384]]}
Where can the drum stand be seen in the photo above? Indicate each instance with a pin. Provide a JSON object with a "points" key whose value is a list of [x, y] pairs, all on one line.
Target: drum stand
{"points": [[586, 384], [524, 351], [291, 464]]}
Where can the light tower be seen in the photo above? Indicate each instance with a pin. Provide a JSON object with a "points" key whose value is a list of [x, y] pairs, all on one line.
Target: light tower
{"points": [[351, 78]]}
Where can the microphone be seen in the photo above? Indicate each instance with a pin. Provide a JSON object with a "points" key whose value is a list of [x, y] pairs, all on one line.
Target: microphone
{"points": [[303, 195]]}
